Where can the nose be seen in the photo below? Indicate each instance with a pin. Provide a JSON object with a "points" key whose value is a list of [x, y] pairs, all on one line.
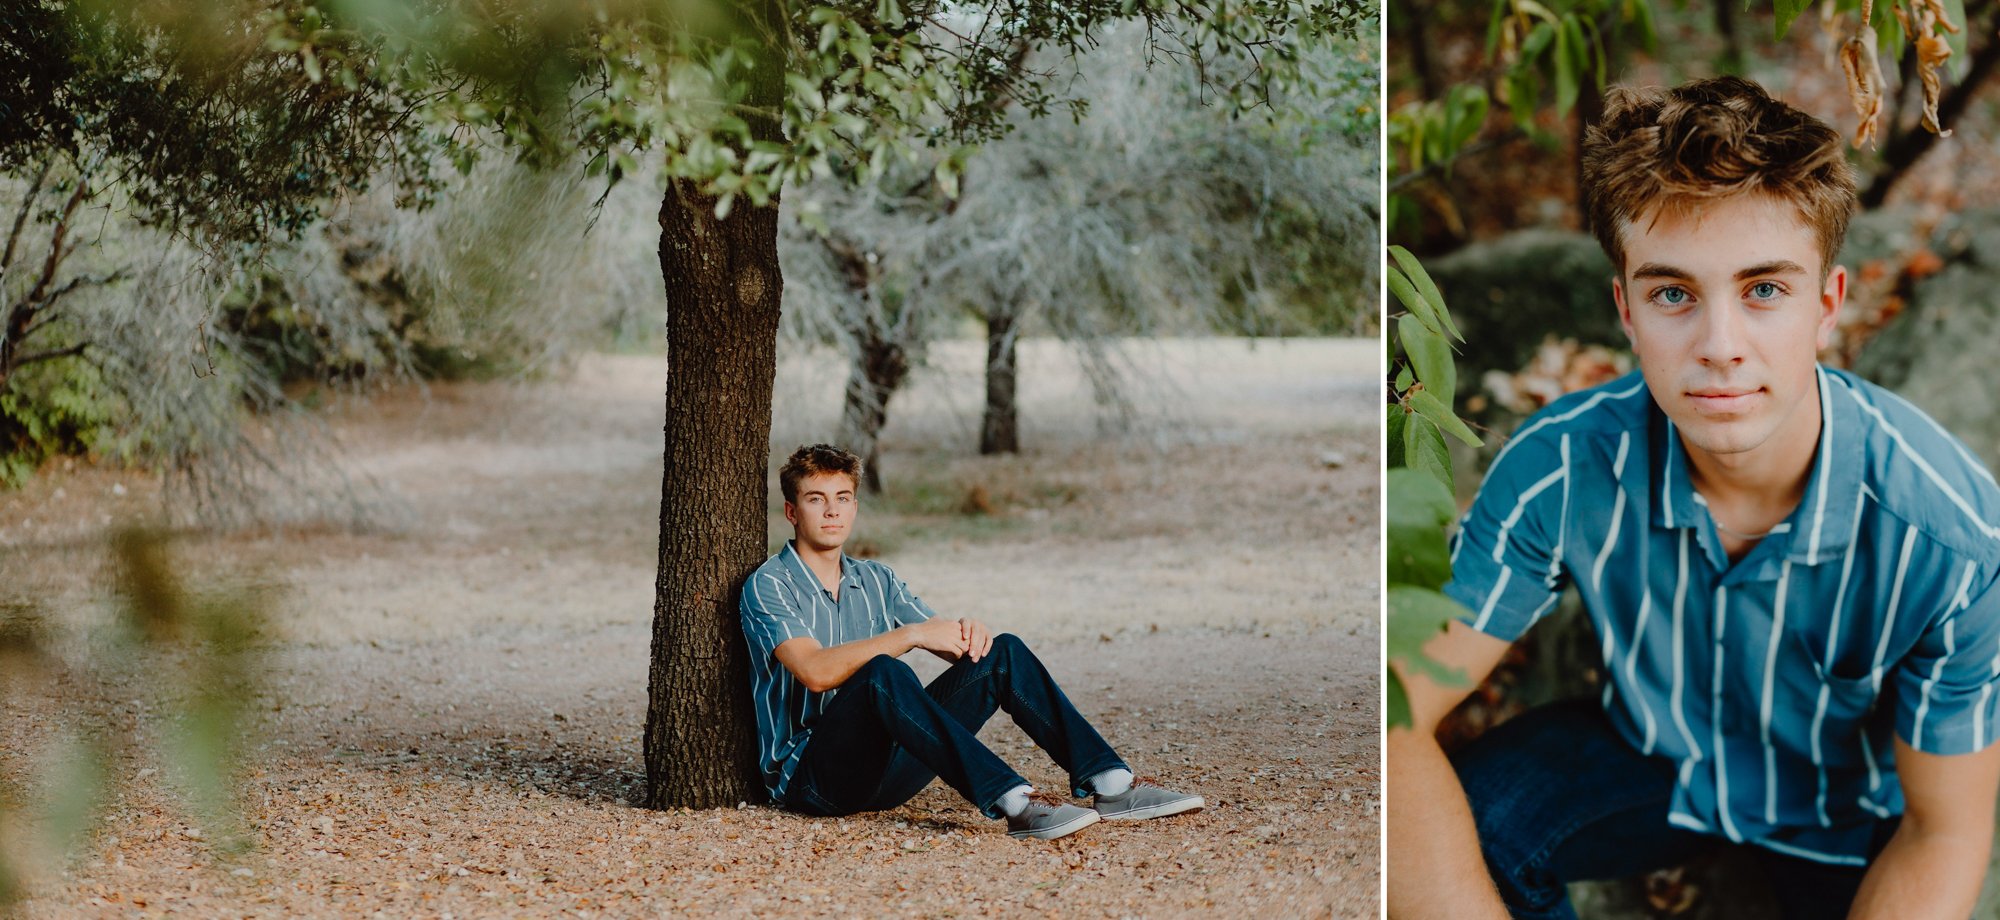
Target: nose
{"points": [[1724, 335]]}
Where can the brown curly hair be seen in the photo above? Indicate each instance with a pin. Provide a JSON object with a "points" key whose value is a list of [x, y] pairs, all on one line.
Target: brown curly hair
{"points": [[812, 460], [1663, 151]]}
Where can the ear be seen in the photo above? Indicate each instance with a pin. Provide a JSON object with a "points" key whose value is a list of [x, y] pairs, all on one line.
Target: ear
{"points": [[791, 514], [1831, 296], [1624, 309]]}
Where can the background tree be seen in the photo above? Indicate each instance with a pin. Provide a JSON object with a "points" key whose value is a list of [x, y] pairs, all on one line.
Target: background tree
{"points": [[1152, 213]]}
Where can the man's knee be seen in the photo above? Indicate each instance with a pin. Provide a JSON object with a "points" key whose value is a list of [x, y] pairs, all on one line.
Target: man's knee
{"points": [[1008, 644], [885, 671]]}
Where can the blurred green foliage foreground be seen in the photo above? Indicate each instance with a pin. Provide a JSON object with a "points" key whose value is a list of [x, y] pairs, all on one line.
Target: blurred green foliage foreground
{"points": [[187, 662]]}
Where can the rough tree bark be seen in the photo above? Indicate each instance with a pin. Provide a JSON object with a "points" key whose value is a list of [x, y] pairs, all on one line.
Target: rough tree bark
{"points": [[999, 429], [723, 286]]}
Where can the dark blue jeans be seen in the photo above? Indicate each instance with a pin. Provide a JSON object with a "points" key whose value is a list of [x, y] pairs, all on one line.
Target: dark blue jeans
{"points": [[1559, 797], [886, 735]]}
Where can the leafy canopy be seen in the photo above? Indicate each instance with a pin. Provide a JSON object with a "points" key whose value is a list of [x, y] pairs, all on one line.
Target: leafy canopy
{"points": [[235, 119]]}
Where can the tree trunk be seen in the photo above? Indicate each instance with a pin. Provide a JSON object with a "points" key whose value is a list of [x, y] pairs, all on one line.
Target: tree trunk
{"points": [[999, 431], [722, 285], [878, 371]]}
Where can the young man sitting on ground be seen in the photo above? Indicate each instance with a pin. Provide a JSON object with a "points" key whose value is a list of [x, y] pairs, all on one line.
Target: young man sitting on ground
{"points": [[843, 726]]}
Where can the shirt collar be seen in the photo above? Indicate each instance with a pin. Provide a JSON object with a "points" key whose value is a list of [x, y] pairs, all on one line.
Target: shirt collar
{"points": [[1822, 526], [803, 576]]}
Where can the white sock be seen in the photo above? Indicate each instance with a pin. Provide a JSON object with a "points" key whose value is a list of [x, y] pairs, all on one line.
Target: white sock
{"points": [[1014, 801], [1114, 782]]}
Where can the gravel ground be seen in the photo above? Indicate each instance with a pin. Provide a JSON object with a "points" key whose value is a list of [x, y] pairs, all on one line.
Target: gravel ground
{"points": [[450, 704]]}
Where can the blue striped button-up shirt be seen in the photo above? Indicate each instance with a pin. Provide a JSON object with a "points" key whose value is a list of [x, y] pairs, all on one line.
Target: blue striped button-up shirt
{"points": [[785, 600], [1774, 682]]}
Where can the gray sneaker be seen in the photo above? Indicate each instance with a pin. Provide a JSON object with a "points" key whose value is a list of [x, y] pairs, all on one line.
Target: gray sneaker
{"points": [[1048, 817], [1146, 799]]}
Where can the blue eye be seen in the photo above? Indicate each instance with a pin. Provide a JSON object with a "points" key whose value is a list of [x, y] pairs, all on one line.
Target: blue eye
{"points": [[1672, 296], [1765, 290]]}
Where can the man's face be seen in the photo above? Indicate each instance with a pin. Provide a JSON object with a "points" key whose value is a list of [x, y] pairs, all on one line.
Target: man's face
{"points": [[1727, 312], [823, 514]]}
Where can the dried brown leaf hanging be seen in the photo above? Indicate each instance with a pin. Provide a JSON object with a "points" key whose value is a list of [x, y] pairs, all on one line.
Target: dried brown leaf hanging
{"points": [[1864, 81], [1932, 51]]}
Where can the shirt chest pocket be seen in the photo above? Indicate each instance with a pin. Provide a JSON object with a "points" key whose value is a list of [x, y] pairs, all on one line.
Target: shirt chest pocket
{"points": [[1846, 676]]}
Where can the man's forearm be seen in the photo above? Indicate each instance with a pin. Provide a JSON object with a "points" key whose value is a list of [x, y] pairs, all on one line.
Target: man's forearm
{"points": [[1923, 874], [823, 669], [1435, 868]]}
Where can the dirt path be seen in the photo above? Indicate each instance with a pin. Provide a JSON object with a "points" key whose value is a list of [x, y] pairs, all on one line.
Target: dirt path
{"points": [[453, 700]]}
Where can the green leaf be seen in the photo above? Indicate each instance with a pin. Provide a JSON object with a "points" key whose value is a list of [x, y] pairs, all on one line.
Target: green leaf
{"points": [[1465, 114], [1954, 10], [1565, 53], [1429, 406], [1417, 501], [1406, 292], [1420, 508], [1416, 615], [1538, 38], [1425, 286], [1424, 450], [1392, 423], [1431, 356], [1404, 378], [1399, 701], [1788, 11], [1521, 94]]}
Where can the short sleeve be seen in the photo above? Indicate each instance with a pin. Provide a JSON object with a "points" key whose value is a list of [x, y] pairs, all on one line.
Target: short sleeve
{"points": [[770, 614], [904, 607], [1948, 684], [1503, 556]]}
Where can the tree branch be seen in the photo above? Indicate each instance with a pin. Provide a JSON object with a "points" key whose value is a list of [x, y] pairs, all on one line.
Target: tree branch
{"points": [[51, 355], [21, 219]]}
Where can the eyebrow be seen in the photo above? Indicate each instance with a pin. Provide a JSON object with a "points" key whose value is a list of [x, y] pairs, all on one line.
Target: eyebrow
{"points": [[1773, 267]]}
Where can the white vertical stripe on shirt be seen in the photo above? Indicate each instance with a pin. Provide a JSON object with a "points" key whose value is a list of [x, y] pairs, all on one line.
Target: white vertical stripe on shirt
{"points": [[1819, 761], [1499, 585], [1632, 665], [1520, 508], [1562, 522], [1617, 512], [1715, 718], [1895, 598], [1764, 708], [1680, 657], [1637, 387], [1937, 670], [1958, 603], [1667, 476], [1832, 643], [1825, 462]]}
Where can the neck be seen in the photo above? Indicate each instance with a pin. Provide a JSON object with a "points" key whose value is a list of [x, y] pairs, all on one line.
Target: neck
{"points": [[823, 562]]}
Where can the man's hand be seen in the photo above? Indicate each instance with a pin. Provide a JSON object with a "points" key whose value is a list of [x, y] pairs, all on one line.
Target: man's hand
{"points": [[978, 639], [941, 637]]}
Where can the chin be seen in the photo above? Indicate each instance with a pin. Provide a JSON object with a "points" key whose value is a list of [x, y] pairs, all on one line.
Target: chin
{"points": [[1725, 437]]}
